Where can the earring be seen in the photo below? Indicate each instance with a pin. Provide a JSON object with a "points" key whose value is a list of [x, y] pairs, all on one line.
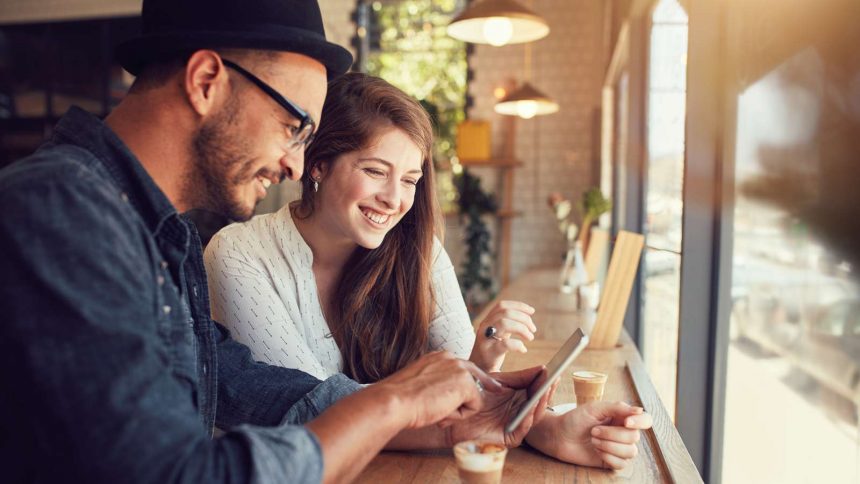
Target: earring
{"points": [[316, 185]]}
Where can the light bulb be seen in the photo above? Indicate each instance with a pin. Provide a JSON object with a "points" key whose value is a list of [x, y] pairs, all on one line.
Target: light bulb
{"points": [[498, 31], [527, 109]]}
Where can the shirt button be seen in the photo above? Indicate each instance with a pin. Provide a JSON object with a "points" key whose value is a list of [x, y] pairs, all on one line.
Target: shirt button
{"points": [[166, 309], [204, 368], [194, 290], [160, 280], [164, 264], [124, 197]]}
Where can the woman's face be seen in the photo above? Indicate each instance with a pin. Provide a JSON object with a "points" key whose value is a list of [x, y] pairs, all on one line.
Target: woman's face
{"points": [[364, 194]]}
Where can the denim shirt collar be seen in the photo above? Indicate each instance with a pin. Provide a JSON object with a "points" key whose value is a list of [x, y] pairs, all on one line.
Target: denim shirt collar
{"points": [[83, 129]]}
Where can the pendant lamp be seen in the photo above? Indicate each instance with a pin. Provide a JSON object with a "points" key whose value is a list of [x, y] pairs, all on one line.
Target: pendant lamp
{"points": [[497, 22], [526, 101]]}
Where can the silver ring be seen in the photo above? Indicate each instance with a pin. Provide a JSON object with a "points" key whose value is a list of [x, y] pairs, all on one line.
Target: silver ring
{"points": [[479, 385], [492, 332]]}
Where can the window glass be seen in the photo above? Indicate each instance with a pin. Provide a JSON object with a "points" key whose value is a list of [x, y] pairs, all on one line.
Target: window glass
{"points": [[664, 172], [793, 376]]}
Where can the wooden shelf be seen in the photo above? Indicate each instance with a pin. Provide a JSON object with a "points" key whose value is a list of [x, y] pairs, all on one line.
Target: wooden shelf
{"points": [[494, 162], [500, 214], [508, 213]]}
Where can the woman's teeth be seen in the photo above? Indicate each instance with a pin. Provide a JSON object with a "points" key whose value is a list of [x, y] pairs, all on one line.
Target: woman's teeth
{"points": [[266, 182], [375, 217]]}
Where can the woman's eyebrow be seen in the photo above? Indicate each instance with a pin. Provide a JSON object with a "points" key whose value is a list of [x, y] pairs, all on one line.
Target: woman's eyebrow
{"points": [[389, 164]]}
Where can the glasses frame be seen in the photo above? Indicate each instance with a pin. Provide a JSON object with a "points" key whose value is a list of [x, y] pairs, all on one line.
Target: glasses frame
{"points": [[306, 122]]}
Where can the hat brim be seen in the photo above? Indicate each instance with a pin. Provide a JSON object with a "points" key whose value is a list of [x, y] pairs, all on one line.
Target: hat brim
{"points": [[134, 54]]}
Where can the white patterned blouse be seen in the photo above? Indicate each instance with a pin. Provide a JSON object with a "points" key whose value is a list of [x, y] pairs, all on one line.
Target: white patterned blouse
{"points": [[262, 288]]}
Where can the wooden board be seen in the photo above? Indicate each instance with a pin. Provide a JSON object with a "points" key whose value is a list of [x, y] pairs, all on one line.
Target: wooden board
{"points": [[598, 242], [616, 291]]}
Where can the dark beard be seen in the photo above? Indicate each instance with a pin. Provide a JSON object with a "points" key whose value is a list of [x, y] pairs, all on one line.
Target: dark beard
{"points": [[217, 155]]}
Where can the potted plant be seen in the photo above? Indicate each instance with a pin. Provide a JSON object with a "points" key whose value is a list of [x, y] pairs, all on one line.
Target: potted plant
{"points": [[476, 278], [593, 205]]}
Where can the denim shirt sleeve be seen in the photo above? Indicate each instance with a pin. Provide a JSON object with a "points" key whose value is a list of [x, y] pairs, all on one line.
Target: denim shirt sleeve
{"points": [[85, 382], [251, 392]]}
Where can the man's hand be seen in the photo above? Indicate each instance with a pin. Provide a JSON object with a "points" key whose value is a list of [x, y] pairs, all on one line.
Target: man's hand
{"points": [[598, 434], [435, 387], [439, 388], [500, 408]]}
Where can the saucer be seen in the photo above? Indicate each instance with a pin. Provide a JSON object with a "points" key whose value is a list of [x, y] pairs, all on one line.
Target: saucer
{"points": [[563, 407]]}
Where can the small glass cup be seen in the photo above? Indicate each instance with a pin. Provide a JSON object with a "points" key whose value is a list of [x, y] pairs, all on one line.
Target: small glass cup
{"points": [[480, 462], [588, 386]]}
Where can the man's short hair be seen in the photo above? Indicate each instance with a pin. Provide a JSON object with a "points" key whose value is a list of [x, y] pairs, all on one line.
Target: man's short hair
{"points": [[158, 73]]}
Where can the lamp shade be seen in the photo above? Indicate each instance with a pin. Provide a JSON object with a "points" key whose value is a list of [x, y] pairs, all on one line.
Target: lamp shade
{"points": [[497, 22], [526, 102]]}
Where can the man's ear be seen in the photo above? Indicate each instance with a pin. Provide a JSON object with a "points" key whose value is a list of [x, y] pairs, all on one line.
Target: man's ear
{"points": [[206, 83]]}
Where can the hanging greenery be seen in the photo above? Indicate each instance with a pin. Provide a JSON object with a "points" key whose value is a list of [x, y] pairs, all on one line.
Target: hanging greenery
{"points": [[414, 52], [476, 279]]}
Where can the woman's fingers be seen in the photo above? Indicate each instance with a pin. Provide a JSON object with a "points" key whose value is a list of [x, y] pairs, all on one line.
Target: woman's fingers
{"points": [[612, 462], [512, 344], [511, 327], [616, 434], [624, 451], [516, 311], [516, 305]]}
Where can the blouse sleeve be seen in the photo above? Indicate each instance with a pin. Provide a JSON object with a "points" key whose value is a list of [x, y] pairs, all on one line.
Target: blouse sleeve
{"points": [[451, 329], [245, 300]]}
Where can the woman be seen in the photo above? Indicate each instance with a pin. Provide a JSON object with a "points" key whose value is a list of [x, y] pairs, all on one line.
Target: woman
{"points": [[352, 278]]}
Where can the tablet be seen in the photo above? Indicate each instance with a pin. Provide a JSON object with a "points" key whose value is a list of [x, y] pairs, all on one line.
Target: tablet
{"points": [[565, 356]]}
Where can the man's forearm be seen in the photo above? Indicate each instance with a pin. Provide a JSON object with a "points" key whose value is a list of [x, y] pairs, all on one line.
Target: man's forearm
{"points": [[353, 431]]}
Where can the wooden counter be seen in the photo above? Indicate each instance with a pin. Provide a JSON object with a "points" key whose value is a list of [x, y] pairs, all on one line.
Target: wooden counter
{"points": [[662, 455]]}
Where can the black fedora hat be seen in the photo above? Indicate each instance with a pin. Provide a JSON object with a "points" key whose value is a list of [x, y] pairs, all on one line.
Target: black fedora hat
{"points": [[173, 26]]}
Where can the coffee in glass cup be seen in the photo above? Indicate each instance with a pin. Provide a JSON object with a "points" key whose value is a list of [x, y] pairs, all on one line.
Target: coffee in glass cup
{"points": [[588, 386], [480, 462]]}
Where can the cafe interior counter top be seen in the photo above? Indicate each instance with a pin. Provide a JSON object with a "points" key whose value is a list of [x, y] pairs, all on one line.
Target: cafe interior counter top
{"points": [[662, 455]]}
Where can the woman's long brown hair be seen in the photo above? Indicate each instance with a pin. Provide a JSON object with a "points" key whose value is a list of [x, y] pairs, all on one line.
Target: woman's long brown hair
{"points": [[384, 299]]}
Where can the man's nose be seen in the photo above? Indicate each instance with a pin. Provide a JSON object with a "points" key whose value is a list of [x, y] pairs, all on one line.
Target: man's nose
{"points": [[293, 164]]}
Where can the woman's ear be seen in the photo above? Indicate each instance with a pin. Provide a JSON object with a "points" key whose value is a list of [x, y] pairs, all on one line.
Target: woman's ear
{"points": [[319, 171]]}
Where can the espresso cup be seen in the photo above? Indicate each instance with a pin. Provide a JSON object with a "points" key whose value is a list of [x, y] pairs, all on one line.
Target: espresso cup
{"points": [[480, 462], [588, 386]]}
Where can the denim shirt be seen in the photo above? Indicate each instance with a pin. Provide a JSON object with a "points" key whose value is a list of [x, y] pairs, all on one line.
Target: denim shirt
{"points": [[112, 370]]}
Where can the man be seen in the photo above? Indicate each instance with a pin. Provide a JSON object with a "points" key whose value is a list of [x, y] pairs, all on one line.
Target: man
{"points": [[112, 369]]}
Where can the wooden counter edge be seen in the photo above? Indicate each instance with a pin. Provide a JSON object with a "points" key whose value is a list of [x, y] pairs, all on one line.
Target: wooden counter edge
{"points": [[665, 437]]}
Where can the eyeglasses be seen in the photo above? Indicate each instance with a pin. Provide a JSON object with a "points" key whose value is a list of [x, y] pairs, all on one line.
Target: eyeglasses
{"points": [[299, 136]]}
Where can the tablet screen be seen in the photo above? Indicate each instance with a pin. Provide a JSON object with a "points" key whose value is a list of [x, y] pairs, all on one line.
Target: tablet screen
{"points": [[556, 366]]}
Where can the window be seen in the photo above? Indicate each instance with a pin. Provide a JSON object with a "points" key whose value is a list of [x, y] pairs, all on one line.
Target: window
{"points": [[663, 202], [793, 373]]}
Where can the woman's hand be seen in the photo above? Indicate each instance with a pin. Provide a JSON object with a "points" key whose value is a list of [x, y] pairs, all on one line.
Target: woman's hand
{"points": [[507, 320], [501, 407], [598, 434]]}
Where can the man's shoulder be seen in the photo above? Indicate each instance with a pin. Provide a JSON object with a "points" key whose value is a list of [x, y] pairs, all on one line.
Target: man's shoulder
{"points": [[60, 181], [65, 164]]}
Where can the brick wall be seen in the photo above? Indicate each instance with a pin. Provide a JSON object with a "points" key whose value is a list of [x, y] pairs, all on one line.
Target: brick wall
{"points": [[337, 20], [559, 151]]}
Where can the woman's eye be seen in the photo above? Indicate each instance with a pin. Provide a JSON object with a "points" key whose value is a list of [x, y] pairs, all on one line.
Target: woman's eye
{"points": [[410, 181], [374, 172]]}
